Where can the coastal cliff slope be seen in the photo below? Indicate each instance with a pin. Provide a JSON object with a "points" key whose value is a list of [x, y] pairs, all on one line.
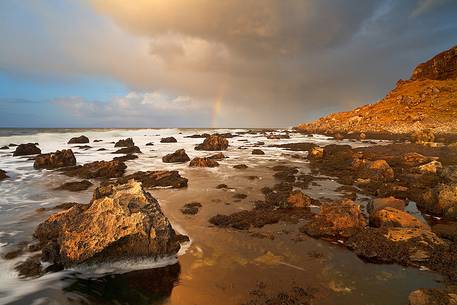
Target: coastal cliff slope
{"points": [[427, 101]]}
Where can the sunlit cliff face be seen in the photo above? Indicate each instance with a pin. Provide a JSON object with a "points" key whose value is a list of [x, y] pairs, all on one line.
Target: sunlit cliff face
{"points": [[239, 63]]}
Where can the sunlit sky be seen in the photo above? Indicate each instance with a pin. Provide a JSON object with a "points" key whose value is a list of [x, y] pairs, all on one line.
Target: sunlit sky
{"points": [[207, 63]]}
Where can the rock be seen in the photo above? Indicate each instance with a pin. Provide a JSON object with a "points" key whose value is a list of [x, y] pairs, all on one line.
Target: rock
{"points": [[378, 171], [337, 156], [79, 140], [203, 162], [125, 143], [297, 199], [391, 217], [97, 140], [96, 169], [218, 156], [26, 149], [127, 157], [222, 186], [423, 136], [449, 173], [126, 222], [413, 159], [168, 140], [340, 219], [60, 158], [447, 200], [178, 156], [447, 230], [151, 179], [240, 166], [149, 144], [65, 206], [433, 167], [316, 153], [128, 150], [31, 267], [258, 152], [434, 296], [4, 147], [213, 142], [381, 203], [191, 208], [362, 136], [240, 196], [338, 136], [3, 175], [75, 186], [441, 67], [406, 246], [302, 146]]}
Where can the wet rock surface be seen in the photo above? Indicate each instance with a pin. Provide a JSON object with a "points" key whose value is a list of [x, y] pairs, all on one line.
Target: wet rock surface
{"points": [[391, 217], [437, 296], [125, 222], [128, 150], [178, 156], [191, 208], [125, 143], [168, 140], [3, 175], [258, 152], [125, 158], [151, 179], [79, 140], [27, 149], [75, 186], [97, 169], [213, 142], [60, 158], [203, 162]]}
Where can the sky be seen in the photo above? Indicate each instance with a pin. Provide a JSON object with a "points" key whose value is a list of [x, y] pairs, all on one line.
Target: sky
{"points": [[208, 63]]}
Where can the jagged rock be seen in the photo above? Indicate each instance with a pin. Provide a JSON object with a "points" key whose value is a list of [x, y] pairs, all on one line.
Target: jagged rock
{"points": [[60, 158], [447, 200], [26, 149], [381, 203], [433, 167], [218, 156], [79, 140], [258, 152], [297, 199], [434, 296], [97, 169], [128, 150], [3, 175], [168, 140], [441, 67], [412, 159], [178, 156], [378, 171], [203, 162], [127, 157], [125, 143], [75, 186], [391, 217], [340, 219], [191, 208], [316, 153], [151, 179], [423, 136], [337, 156], [213, 142], [126, 222]]}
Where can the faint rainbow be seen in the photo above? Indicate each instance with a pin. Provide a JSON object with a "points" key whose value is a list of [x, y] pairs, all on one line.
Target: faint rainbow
{"points": [[217, 106]]}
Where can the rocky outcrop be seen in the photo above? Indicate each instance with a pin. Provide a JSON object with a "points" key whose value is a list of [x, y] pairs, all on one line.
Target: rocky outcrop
{"points": [[97, 169], [125, 143], [424, 106], [203, 162], [336, 220], [3, 175], [79, 140], [152, 179], [126, 222], [387, 202], [27, 149], [168, 140], [178, 156], [60, 158], [75, 186], [213, 142], [128, 150], [434, 296], [391, 217]]}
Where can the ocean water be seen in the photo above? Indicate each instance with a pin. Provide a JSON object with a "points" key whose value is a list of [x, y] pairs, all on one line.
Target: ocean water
{"points": [[219, 266]]}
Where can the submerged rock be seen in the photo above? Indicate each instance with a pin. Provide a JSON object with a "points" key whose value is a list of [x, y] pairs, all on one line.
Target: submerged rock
{"points": [[203, 162], [213, 142], [240, 166], [79, 140], [151, 179], [60, 158], [168, 140], [125, 143], [340, 219], [75, 186], [218, 156], [126, 222], [97, 169], [191, 208], [26, 149], [127, 157], [178, 156]]}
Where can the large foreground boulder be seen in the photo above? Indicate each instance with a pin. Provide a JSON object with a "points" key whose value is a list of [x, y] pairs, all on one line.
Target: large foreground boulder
{"points": [[79, 140], [336, 220], [27, 149], [97, 169], [60, 158], [178, 156], [126, 222], [213, 142]]}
